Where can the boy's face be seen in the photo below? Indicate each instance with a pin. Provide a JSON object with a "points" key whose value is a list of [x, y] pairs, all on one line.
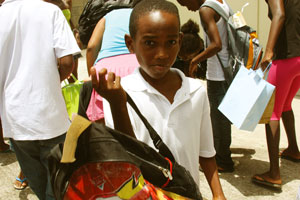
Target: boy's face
{"points": [[156, 43], [192, 5]]}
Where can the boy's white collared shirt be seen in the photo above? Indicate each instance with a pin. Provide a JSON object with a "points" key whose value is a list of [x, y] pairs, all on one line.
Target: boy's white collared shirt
{"points": [[184, 125]]}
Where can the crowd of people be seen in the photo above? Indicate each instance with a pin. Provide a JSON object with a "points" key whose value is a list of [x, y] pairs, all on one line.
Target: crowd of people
{"points": [[138, 52]]}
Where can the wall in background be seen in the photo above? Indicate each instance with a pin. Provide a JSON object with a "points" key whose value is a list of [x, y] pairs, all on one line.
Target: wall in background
{"points": [[256, 15], [77, 7]]}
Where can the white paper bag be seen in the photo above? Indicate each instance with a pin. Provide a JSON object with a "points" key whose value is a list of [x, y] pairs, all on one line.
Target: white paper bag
{"points": [[246, 98]]}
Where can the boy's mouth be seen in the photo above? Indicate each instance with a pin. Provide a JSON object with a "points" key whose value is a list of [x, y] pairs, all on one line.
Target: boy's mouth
{"points": [[160, 67]]}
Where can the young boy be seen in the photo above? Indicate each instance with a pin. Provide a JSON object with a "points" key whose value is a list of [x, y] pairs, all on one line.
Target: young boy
{"points": [[176, 106]]}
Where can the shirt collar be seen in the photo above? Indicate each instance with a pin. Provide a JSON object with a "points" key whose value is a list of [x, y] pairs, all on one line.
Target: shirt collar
{"points": [[137, 83]]}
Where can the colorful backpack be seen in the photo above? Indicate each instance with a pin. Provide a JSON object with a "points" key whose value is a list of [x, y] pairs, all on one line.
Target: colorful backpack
{"points": [[97, 162]]}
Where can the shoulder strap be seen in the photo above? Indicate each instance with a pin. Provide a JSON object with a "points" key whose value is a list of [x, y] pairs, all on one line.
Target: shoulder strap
{"points": [[214, 5], [157, 141]]}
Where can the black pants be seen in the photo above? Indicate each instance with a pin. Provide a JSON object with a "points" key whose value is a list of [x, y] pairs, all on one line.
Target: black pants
{"points": [[220, 124]]}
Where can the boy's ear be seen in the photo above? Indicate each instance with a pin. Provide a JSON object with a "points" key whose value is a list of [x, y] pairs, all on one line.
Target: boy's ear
{"points": [[129, 43]]}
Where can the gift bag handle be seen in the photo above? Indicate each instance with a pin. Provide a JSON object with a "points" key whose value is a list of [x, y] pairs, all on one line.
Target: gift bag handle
{"points": [[157, 141], [266, 71], [74, 78]]}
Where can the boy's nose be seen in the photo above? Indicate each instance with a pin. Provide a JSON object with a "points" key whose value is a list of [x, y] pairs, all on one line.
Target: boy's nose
{"points": [[162, 53]]}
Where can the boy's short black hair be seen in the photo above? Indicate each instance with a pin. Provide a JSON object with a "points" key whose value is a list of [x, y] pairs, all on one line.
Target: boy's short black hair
{"points": [[147, 6]]}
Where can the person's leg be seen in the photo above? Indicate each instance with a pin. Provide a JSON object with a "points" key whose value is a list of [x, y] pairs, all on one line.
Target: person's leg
{"points": [[272, 177], [221, 125], [273, 129], [281, 75], [32, 157], [292, 150], [288, 119], [28, 155], [45, 148], [3, 146], [273, 137]]}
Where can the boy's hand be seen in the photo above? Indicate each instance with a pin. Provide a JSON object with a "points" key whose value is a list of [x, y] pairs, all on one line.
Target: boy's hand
{"points": [[109, 89]]}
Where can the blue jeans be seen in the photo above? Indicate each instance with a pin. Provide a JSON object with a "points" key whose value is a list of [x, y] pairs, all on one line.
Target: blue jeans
{"points": [[220, 124], [32, 157]]}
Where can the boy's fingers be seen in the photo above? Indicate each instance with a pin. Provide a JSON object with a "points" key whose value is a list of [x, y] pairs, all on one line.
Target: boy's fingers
{"points": [[94, 77], [102, 81], [103, 71], [117, 82], [111, 79]]}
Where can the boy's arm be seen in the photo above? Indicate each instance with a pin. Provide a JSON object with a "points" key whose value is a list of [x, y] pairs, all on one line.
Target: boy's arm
{"points": [[210, 170], [113, 92], [65, 66], [94, 44], [207, 16]]}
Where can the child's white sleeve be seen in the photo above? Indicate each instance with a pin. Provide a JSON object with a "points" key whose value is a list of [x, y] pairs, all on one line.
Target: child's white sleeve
{"points": [[64, 42], [207, 149]]}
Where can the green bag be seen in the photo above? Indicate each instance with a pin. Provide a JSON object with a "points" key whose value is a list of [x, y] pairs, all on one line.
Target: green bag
{"points": [[71, 92]]}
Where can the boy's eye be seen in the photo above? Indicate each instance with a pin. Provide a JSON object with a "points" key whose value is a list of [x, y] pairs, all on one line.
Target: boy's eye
{"points": [[149, 42], [172, 42]]}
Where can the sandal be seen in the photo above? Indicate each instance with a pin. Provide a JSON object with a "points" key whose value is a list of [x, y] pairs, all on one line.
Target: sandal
{"points": [[23, 184], [288, 157], [259, 179], [5, 148], [225, 170]]}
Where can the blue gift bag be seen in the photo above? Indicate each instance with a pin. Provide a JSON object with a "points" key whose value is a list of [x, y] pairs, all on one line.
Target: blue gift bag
{"points": [[246, 98]]}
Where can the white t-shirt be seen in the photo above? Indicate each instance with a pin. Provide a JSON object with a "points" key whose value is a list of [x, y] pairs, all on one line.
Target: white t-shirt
{"points": [[33, 35], [214, 69], [184, 125]]}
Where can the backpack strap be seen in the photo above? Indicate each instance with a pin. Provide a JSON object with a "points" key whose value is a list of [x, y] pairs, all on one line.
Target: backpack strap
{"points": [[157, 141], [219, 59], [79, 124], [214, 5]]}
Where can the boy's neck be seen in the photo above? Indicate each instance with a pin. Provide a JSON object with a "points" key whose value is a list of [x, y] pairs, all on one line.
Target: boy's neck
{"points": [[167, 86]]}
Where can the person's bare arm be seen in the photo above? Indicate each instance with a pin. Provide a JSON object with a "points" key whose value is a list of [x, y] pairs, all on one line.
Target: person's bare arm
{"points": [[113, 92], [94, 44], [69, 3], [208, 19], [65, 66], [210, 170], [278, 17]]}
